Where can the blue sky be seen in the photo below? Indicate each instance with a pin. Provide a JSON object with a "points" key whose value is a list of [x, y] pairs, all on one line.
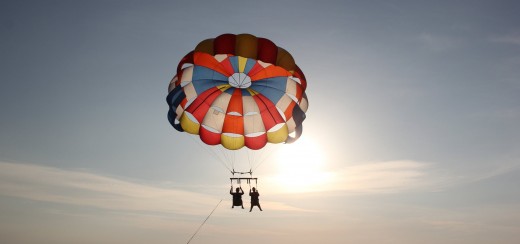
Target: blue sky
{"points": [[412, 133]]}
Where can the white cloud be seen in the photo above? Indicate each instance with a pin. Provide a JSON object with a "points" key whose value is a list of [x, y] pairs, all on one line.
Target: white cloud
{"points": [[408, 176], [436, 42], [87, 189], [382, 177], [511, 38], [367, 178]]}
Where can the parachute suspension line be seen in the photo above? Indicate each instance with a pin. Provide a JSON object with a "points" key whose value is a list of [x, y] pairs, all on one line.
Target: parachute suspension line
{"points": [[258, 157], [209, 151], [234, 159], [197, 231], [269, 154], [249, 161], [219, 148], [226, 157], [229, 157]]}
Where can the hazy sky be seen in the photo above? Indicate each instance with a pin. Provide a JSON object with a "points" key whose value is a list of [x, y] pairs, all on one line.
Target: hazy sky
{"points": [[412, 134]]}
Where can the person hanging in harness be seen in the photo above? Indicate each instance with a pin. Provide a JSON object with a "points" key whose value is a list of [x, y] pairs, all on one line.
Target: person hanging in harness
{"points": [[254, 199], [237, 197]]}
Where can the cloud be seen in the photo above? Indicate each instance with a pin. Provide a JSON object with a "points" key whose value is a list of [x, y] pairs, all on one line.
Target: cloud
{"points": [[511, 38], [382, 177], [494, 171], [366, 177], [408, 176], [436, 43], [87, 189], [75, 187]]}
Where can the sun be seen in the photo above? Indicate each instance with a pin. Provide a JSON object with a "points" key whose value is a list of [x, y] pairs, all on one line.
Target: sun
{"points": [[301, 166]]}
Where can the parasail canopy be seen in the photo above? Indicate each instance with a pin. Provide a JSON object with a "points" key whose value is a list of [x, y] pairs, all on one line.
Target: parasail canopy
{"points": [[238, 90]]}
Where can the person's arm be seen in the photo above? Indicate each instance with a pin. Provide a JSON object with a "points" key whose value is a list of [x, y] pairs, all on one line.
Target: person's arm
{"points": [[231, 190]]}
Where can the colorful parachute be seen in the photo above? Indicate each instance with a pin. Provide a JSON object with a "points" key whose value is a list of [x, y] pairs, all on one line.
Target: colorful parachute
{"points": [[240, 90]]}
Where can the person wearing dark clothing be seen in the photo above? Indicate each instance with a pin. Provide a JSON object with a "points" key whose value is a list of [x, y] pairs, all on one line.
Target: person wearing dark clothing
{"points": [[237, 197], [254, 199]]}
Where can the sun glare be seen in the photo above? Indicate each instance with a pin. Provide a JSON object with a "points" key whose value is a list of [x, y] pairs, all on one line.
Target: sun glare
{"points": [[301, 167]]}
